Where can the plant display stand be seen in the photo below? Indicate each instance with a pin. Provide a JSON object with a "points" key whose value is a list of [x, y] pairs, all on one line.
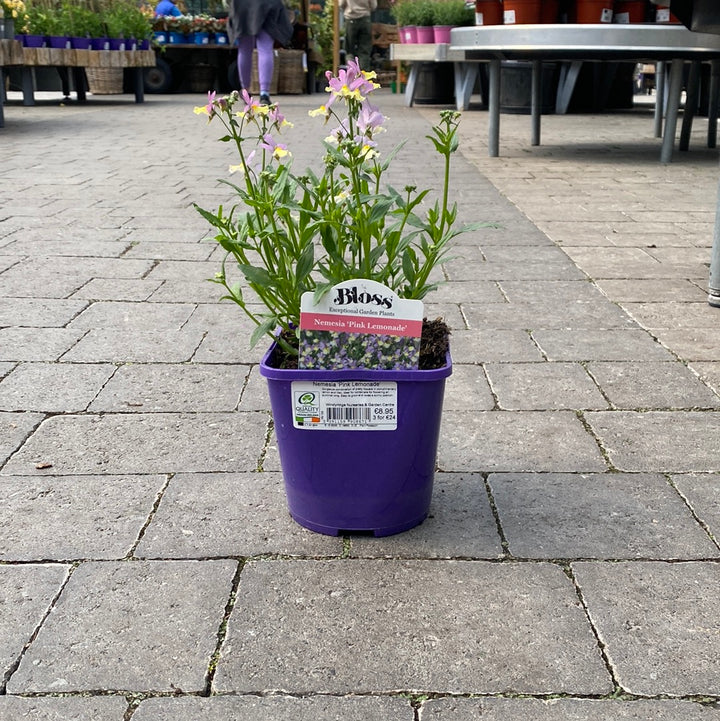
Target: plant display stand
{"points": [[12, 53]]}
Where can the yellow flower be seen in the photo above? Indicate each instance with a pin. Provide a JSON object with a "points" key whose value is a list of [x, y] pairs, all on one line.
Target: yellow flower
{"points": [[201, 110]]}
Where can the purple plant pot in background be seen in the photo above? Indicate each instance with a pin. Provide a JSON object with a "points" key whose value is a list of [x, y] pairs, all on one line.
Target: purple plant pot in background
{"points": [[100, 43], [80, 43], [59, 42], [376, 481], [34, 41], [118, 43]]}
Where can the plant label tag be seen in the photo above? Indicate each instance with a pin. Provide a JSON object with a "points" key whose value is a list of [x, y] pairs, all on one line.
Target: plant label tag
{"points": [[360, 324], [345, 405]]}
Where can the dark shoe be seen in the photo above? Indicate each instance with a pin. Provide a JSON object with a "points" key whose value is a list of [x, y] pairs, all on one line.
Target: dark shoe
{"points": [[265, 99]]}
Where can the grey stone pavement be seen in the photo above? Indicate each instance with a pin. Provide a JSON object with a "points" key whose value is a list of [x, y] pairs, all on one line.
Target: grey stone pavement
{"points": [[148, 569]]}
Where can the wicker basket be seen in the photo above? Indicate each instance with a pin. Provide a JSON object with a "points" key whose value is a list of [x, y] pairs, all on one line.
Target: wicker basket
{"points": [[201, 78], [293, 77], [255, 82], [105, 81]]}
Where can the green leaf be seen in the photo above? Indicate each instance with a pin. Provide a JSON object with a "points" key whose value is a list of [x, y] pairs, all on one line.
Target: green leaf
{"points": [[259, 276], [267, 326]]}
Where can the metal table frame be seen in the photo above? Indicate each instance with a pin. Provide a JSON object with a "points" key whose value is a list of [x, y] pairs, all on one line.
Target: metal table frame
{"points": [[668, 45]]}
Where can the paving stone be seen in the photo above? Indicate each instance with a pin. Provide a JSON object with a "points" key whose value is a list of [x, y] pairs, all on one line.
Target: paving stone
{"points": [[51, 708], [144, 443], [164, 250], [543, 386], [639, 441], [674, 315], [506, 709], [460, 525], [550, 314], [220, 347], [635, 385], [14, 428], [229, 514], [186, 291], [6, 367], [709, 372], [71, 517], [175, 387], [38, 312], [619, 263], [615, 515], [691, 344], [601, 345], [36, 344], [184, 270], [542, 291], [516, 441], [484, 346], [255, 392], [658, 622], [119, 289], [73, 247], [467, 389], [702, 492], [121, 345], [273, 708], [142, 626], [480, 292], [26, 593], [53, 387], [416, 625], [638, 290], [134, 316]]}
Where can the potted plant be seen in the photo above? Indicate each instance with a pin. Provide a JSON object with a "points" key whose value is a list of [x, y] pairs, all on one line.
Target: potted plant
{"points": [[296, 239], [424, 20], [84, 24], [406, 18], [448, 14]]}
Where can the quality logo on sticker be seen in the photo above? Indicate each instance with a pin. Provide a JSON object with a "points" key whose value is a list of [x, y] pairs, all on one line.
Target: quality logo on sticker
{"points": [[307, 408]]}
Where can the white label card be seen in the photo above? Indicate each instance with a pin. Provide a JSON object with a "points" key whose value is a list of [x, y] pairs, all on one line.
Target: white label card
{"points": [[345, 405]]}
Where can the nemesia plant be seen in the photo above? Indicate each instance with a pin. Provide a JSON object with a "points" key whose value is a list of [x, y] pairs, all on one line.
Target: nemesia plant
{"points": [[293, 233]]}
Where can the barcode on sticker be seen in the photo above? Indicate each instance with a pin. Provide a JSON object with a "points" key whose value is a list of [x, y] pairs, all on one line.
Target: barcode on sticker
{"points": [[342, 413]]}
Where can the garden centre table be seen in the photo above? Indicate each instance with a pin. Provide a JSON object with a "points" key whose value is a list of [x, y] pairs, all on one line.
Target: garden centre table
{"points": [[572, 45], [12, 53]]}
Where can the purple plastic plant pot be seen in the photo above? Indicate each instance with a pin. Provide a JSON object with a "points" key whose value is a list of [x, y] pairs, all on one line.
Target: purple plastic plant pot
{"points": [[360, 481], [118, 43], [80, 43], [59, 42], [100, 43], [34, 41]]}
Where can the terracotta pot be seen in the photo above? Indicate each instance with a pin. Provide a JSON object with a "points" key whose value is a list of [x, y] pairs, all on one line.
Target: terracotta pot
{"points": [[629, 11], [488, 12], [594, 11], [549, 11], [521, 12]]}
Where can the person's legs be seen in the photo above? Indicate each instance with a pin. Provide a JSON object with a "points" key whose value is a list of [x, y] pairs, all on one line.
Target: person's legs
{"points": [[246, 45], [363, 41], [266, 61]]}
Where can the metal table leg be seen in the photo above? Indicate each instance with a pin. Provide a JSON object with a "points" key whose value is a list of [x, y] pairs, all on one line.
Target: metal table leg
{"points": [[691, 101], [536, 101], [713, 103], [659, 98], [714, 283], [676, 68], [410, 86], [494, 109]]}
